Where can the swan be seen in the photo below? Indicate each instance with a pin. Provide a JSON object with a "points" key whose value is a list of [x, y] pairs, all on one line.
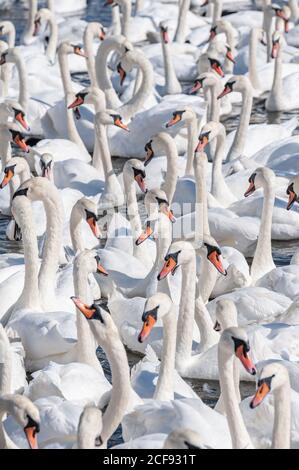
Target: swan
{"points": [[281, 96], [13, 375], [225, 27], [26, 415], [172, 85]]}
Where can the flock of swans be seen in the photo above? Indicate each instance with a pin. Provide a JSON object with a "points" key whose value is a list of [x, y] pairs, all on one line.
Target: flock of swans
{"points": [[168, 279]]}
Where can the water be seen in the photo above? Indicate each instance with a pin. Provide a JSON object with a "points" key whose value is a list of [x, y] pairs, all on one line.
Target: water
{"points": [[282, 252]]}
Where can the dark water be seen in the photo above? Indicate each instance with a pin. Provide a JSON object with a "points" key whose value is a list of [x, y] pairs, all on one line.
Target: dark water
{"points": [[282, 252]]}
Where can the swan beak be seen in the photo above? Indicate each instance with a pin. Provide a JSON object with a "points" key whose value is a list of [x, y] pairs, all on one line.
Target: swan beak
{"points": [[21, 120], [118, 122], [149, 156], [31, 436], [196, 87], [218, 69], [78, 51], [286, 26], [147, 328], [145, 235], [21, 143], [226, 91], [217, 326], [3, 59], [101, 270], [176, 118], [169, 266], [8, 176], [83, 308], [37, 25], [122, 74], [165, 37], [292, 198], [141, 183], [102, 34], [275, 48], [78, 102], [230, 56], [213, 34], [250, 190], [94, 226], [165, 210], [245, 360], [203, 142], [214, 258], [260, 394]]}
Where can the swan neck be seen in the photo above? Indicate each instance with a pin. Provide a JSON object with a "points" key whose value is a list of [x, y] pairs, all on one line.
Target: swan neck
{"points": [[172, 85], [238, 145], [170, 182], [281, 438], [192, 137], [252, 65], [181, 32]]}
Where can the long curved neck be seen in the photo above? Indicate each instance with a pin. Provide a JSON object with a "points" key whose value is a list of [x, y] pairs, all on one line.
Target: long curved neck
{"points": [[139, 5], [126, 9], [239, 434], [29, 298], [172, 85], [238, 145], [69, 98], [277, 85], [207, 280], [165, 385], [51, 251], [88, 37], [263, 261], [219, 188], [130, 108], [192, 137], [5, 147], [268, 27], [23, 81], [281, 438], [170, 182], [252, 65], [76, 231], [52, 44], [28, 35], [186, 315], [293, 4], [214, 108], [208, 335], [116, 24], [121, 390], [102, 74], [200, 171], [181, 32]]}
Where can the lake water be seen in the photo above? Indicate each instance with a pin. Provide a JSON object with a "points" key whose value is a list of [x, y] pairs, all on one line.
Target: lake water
{"points": [[282, 252]]}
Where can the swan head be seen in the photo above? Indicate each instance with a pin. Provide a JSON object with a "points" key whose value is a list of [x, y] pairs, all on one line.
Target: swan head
{"points": [[156, 307], [220, 26], [179, 254], [90, 428], [88, 261], [134, 171], [111, 118], [12, 109], [15, 166], [46, 165], [239, 83], [209, 131], [101, 323], [184, 439], [128, 61], [85, 209], [89, 95], [278, 41], [293, 191], [17, 137], [187, 114], [155, 202], [212, 251], [283, 14], [272, 377], [160, 144], [43, 15], [67, 48], [6, 27], [26, 415], [206, 80], [226, 314], [260, 178], [164, 32], [234, 342], [96, 29]]}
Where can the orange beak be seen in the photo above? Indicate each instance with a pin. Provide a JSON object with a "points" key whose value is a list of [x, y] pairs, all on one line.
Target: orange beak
{"points": [[118, 122], [78, 51], [31, 435], [9, 175], [122, 74], [21, 143], [20, 118], [197, 86], [149, 155], [141, 183], [168, 267], [214, 258], [146, 329], [245, 360], [259, 396], [145, 235], [36, 27], [292, 199], [101, 270], [165, 37], [226, 91], [102, 35], [165, 209], [230, 57], [94, 227], [275, 48], [203, 142], [85, 309], [250, 190], [78, 102], [218, 69], [174, 121]]}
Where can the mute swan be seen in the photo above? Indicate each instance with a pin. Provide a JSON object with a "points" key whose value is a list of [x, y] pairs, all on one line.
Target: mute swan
{"points": [[172, 85], [26, 415]]}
